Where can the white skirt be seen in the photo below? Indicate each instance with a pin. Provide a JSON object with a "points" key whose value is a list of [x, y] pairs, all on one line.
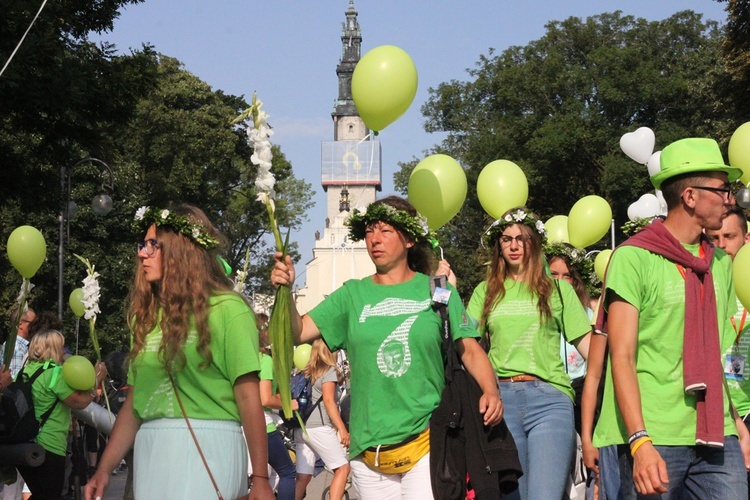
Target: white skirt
{"points": [[167, 463]]}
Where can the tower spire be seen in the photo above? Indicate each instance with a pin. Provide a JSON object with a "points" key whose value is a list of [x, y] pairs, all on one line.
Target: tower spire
{"points": [[351, 44]]}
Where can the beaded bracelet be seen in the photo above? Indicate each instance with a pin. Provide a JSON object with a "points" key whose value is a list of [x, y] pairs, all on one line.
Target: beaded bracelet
{"points": [[636, 435], [638, 444]]}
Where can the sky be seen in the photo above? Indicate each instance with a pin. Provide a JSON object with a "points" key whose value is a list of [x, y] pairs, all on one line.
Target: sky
{"points": [[287, 51]]}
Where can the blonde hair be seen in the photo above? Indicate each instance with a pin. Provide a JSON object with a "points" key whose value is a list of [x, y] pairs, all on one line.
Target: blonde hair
{"points": [[190, 276], [321, 360], [47, 344]]}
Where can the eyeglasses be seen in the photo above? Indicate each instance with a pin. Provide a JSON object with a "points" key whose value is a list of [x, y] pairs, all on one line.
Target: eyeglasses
{"points": [[507, 240], [725, 192], [150, 246]]}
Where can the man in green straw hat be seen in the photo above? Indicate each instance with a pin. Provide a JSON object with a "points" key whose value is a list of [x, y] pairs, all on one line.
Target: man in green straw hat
{"points": [[668, 300]]}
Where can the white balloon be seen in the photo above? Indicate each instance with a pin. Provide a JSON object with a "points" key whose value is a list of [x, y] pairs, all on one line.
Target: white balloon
{"points": [[654, 163], [638, 145], [662, 202], [646, 206], [633, 211]]}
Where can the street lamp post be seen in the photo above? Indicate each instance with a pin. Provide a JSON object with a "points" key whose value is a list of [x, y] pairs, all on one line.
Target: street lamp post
{"points": [[101, 205]]}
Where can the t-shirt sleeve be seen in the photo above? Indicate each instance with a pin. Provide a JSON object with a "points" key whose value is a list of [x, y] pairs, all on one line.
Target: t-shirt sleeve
{"points": [[461, 325], [624, 277], [332, 318], [575, 320], [241, 353], [476, 302], [266, 367], [330, 376], [58, 384]]}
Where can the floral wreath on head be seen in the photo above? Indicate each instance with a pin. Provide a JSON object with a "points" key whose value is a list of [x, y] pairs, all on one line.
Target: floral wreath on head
{"points": [[516, 216], [579, 260], [414, 226], [146, 216]]}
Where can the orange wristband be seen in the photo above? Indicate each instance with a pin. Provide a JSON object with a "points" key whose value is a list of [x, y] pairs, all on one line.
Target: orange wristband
{"points": [[638, 444]]}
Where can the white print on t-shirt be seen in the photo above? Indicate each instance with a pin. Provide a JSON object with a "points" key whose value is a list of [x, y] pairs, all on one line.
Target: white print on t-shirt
{"points": [[161, 400], [394, 356], [394, 307]]}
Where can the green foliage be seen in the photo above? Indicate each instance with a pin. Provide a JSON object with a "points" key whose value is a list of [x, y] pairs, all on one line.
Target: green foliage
{"points": [[558, 106], [165, 134]]}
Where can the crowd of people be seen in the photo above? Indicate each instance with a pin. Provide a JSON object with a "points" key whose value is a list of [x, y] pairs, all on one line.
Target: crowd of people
{"points": [[652, 375]]}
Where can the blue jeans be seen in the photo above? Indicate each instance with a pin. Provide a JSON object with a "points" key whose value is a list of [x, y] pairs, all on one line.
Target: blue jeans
{"points": [[694, 472], [609, 473], [281, 462], [540, 418]]}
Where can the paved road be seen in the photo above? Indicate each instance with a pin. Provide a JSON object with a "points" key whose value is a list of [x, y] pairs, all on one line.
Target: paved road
{"points": [[314, 491]]}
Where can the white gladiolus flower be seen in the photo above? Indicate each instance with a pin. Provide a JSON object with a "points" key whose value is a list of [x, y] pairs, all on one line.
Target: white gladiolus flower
{"points": [[140, 213], [164, 214]]}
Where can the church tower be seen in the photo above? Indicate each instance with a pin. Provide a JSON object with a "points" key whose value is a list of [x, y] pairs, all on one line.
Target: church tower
{"points": [[350, 176]]}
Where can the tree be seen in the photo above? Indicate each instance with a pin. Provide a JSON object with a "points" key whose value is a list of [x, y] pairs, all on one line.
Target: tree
{"points": [[736, 54], [165, 133], [558, 106]]}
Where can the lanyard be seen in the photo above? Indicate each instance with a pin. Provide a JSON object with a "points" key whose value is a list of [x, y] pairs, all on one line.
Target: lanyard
{"points": [[742, 326]]}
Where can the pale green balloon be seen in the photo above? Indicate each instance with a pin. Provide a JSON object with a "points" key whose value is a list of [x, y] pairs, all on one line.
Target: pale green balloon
{"points": [[437, 189], [739, 151], [75, 301], [384, 84], [740, 272], [600, 263], [26, 250], [502, 185], [557, 229], [589, 220], [302, 355], [79, 373]]}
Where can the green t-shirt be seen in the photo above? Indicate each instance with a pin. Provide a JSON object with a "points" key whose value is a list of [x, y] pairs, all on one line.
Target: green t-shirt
{"points": [[266, 373], [654, 286], [48, 388], [737, 364], [519, 343], [207, 393], [392, 338]]}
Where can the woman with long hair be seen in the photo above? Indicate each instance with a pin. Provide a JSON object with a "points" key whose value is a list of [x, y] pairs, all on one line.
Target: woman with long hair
{"points": [[326, 435], [278, 455], [525, 314], [392, 336], [53, 399], [193, 370]]}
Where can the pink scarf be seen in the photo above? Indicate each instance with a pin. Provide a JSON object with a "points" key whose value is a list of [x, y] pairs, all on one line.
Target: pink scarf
{"points": [[701, 336]]}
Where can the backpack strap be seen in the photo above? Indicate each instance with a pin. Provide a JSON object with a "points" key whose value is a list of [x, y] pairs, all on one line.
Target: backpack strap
{"points": [[451, 356], [32, 379]]}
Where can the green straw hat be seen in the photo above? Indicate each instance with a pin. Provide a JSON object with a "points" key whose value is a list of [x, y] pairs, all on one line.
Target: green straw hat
{"points": [[692, 156]]}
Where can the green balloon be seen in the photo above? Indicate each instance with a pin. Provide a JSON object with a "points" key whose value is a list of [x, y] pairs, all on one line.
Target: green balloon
{"points": [[740, 271], [79, 373], [437, 189], [739, 151], [600, 263], [26, 250], [384, 84], [589, 220], [76, 302], [302, 355], [557, 229], [502, 185]]}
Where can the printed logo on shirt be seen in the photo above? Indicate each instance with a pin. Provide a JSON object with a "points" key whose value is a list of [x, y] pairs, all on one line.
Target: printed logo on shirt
{"points": [[394, 307], [394, 356]]}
